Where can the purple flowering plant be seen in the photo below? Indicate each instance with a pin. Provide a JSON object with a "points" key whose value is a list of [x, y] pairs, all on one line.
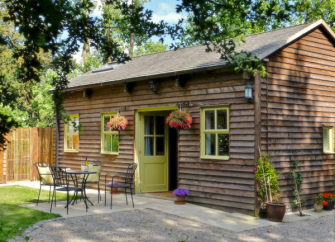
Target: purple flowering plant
{"points": [[115, 182], [181, 192]]}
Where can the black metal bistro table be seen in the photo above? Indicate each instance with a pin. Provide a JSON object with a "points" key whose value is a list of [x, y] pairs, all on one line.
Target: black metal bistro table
{"points": [[82, 180]]}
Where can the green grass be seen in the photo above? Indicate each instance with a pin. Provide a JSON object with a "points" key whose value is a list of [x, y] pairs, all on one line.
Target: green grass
{"points": [[14, 220]]}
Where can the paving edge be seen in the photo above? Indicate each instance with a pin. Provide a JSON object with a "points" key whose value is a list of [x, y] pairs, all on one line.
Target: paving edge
{"points": [[32, 228], [242, 217]]}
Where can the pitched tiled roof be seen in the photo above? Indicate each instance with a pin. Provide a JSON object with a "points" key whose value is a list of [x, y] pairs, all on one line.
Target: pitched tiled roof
{"points": [[192, 58]]}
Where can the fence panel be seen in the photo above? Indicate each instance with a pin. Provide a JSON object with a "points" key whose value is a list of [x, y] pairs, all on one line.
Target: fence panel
{"points": [[19, 149], [25, 147]]}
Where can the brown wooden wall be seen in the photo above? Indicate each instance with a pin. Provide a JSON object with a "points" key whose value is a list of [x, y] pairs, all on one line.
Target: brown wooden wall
{"points": [[297, 99], [226, 185]]}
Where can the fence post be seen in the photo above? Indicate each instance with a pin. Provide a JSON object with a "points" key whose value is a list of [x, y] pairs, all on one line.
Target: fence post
{"points": [[34, 153]]}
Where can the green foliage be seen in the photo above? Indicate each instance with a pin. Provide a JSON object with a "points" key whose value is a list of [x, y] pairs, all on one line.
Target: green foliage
{"points": [[150, 47], [297, 178], [319, 198], [266, 174], [221, 26], [312, 10]]}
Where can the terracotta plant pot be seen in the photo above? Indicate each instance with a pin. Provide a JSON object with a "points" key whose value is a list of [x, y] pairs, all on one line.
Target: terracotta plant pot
{"points": [[318, 207], [180, 200], [275, 211], [330, 206], [115, 191]]}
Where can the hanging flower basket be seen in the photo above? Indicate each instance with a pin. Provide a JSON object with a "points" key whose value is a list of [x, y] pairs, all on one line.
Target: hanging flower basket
{"points": [[118, 123], [179, 120]]}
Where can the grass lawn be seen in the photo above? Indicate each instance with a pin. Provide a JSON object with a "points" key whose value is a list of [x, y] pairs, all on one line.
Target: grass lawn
{"points": [[14, 220]]}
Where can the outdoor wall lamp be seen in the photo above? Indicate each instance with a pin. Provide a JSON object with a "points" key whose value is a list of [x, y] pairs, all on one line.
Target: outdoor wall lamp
{"points": [[153, 87], [248, 93]]}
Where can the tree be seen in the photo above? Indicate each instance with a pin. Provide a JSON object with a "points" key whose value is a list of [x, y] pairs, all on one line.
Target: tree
{"points": [[150, 47], [48, 20], [311, 10]]}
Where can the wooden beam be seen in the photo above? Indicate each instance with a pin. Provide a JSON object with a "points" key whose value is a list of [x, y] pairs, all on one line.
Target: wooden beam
{"points": [[258, 126]]}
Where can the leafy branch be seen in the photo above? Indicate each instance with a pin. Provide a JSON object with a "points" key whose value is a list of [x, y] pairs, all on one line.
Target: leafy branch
{"points": [[297, 178]]}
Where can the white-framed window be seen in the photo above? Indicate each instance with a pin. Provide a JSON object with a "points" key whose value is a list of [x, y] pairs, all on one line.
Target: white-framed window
{"points": [[71, 135], [214, 128], [109, 138], [328, 139]]}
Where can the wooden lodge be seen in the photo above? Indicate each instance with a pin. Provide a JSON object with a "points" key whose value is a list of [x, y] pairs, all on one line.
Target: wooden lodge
{"points": [[291, 116]]}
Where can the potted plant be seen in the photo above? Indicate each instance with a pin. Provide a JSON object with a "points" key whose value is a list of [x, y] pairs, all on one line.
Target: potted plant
{"points": [[118, 123], [329, 201], [114, 190], [268, 190], [318, 202], [180, 193], [179, 120]]}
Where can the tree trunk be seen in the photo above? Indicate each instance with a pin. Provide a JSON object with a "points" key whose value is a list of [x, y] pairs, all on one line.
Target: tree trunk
{"points": [[131, 45]]}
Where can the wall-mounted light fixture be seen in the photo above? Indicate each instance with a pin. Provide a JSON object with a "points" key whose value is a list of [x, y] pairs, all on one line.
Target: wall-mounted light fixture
{"points": [[248, 93], [153, 87]]}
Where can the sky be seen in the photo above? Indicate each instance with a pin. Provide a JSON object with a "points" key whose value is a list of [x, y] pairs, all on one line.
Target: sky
{"points": [[162, 10]]}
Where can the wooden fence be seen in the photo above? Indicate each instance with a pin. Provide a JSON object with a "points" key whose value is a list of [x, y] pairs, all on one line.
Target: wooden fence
{"points": [[25, 147]]}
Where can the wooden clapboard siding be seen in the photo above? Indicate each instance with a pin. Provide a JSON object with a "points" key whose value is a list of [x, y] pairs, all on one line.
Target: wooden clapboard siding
{"points": [[298, 97], [226, 185]]}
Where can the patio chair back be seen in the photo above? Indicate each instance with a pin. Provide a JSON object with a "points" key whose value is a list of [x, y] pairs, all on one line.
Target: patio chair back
{"points": [[130, 173], [93, 166], [59, 175], [44, 173]]}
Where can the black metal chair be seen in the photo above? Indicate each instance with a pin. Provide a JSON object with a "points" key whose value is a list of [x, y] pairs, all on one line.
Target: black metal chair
{"points": [[45, 177], [129, 179], [95, 178], [62, 180]]}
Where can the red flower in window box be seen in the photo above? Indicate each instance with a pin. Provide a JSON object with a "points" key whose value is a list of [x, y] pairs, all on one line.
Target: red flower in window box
{"points": [[325, 203], [179, 120], [118, 123]]}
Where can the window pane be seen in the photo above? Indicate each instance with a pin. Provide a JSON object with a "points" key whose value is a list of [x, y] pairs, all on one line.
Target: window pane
{"points": [[209, 120], [76, 142], [160, 125], [69, 141], [115, 147], [149, 125], [210, 144], [107, 142], [221, 119], [106, 120], [148, 146], [160, 145], [223, 142]]}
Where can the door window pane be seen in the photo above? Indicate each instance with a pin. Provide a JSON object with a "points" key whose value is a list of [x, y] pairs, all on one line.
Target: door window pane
{"points": [[160, 125], [210, 144], [148, 146], [108, 142], [149, 125], [223, 142], [209, 119], [115, 146], [160, 145], [106, 120], [221, 119]]}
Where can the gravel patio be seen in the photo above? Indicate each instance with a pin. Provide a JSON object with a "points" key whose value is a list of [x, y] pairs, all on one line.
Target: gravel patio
{"points": [[152, 225]]}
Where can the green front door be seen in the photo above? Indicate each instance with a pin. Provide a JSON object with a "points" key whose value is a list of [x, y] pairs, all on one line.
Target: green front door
{"points": [[154, 152]]}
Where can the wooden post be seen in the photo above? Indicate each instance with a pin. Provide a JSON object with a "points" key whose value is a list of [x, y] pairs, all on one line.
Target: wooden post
{"points": [[1, 165], [35, 152], [257, 149]]}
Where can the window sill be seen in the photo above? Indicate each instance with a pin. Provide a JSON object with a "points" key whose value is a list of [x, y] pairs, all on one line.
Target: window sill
{"points": [[71, 151], [215, 157], [109, 153], [328, 152]]}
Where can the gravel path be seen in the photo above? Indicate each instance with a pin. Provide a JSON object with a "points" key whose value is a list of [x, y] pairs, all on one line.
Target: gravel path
{"points": [[152, 225]]}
